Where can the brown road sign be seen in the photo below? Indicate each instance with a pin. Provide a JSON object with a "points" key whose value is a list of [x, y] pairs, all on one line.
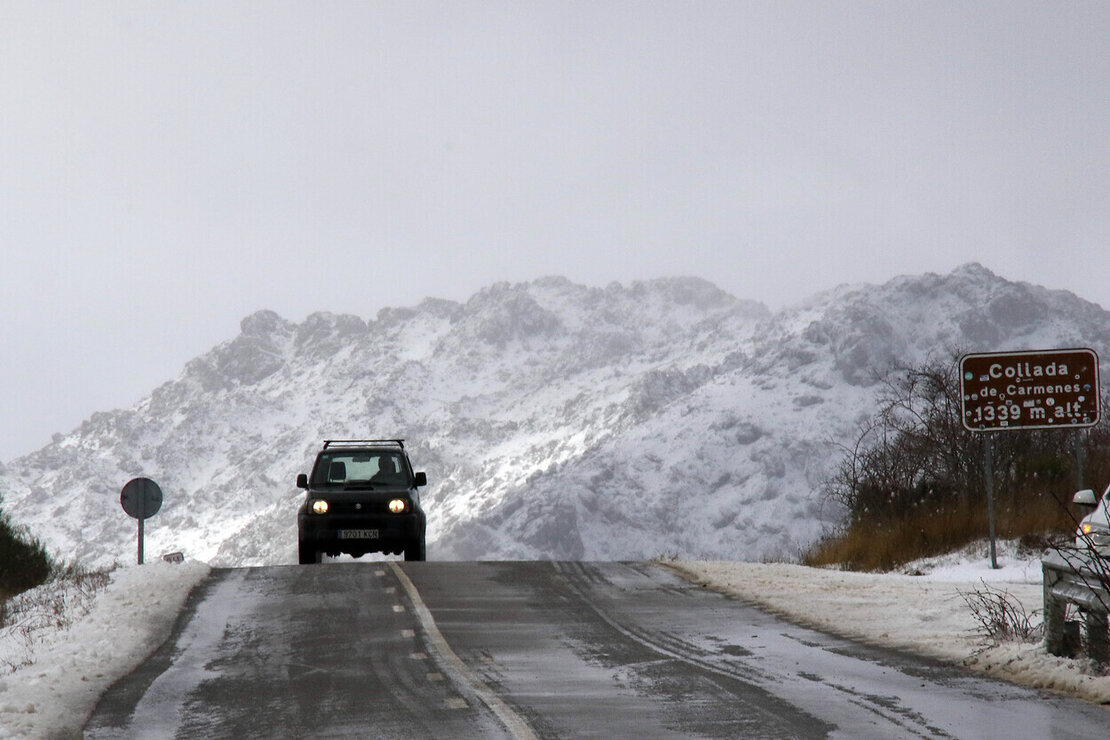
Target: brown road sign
{"points": [[1045, 389]]}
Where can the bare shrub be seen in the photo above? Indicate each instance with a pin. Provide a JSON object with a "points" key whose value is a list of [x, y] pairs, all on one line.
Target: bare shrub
{"points": [[912, 481], [24, 562], [1001, 617]]}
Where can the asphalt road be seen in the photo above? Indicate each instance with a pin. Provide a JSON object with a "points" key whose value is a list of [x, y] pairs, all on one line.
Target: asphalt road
{"points": [[537, 649]]}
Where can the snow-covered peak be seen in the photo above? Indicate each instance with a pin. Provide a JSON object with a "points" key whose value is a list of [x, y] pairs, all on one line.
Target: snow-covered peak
{"points": [[554, 419]]}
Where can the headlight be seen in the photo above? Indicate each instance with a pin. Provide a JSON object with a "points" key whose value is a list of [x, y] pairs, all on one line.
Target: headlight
{"points": [[1087, 528], [397, 505], [320, 506]]}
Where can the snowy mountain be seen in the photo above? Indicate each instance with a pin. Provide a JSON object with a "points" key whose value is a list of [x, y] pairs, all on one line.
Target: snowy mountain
{"points": [[553, 420]]}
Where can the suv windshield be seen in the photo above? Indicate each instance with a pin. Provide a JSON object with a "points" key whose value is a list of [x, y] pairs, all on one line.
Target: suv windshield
{"points": [[350, 467]]}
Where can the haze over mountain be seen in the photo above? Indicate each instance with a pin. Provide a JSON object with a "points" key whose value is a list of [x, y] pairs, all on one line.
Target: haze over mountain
{"points": [[554, 420]]}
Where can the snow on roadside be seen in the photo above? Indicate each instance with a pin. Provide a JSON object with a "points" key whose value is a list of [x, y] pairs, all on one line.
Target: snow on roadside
{"points": [[64, 661], [923, 614], [63, 671]]}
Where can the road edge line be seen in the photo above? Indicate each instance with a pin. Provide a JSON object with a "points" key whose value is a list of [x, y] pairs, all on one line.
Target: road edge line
{"points": [[514, 723]]}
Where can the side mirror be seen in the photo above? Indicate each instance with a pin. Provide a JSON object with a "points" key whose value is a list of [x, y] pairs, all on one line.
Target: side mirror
{"points": [[421, 479], [302, 481], [1086, 497]]}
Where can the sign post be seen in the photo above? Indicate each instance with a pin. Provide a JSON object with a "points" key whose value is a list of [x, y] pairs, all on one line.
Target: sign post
{"points": [[1045, 389], [141, 498], [988, 465]]}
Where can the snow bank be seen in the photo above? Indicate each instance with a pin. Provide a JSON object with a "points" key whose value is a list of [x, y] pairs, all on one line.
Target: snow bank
{"points": [[924, 614], [61, 667]]}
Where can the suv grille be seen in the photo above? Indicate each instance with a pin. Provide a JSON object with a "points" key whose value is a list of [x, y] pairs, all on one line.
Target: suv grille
{"points": [[360, 507]]}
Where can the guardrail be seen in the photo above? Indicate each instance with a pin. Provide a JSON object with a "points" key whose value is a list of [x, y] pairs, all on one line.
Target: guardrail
{"points": [[1079, 578]]}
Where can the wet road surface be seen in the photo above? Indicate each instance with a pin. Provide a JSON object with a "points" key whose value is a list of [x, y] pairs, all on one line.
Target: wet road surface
{"points": [[538, 649]]}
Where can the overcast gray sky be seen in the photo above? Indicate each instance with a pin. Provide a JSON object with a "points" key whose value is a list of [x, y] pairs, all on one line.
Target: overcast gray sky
{"points": [[167, 168]]}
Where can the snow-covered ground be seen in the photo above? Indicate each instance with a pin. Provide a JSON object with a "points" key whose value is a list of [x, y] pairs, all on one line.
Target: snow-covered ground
{"points": [[925, 614], [67, 645], [51, 674]]}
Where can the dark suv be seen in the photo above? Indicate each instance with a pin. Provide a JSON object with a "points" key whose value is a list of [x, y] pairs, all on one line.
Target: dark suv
{"points": [[361, 497]]}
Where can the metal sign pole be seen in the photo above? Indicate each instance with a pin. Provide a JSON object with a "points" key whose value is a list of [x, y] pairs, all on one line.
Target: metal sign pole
{"points": [[141, 498], [990, 497], [1080, 458]]}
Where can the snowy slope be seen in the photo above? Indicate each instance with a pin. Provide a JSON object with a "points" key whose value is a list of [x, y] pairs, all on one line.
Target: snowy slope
{"points": [[554, 420]]}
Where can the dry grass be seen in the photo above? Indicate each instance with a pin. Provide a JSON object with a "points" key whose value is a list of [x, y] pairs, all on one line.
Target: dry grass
{"points": [[883, 546], [66, 596]]}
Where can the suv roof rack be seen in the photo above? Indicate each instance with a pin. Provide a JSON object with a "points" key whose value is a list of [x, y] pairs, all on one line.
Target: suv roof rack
{"points": [[356, 442]]}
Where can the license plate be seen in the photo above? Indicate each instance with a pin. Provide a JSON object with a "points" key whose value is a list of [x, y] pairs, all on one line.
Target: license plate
{"points": [[358, 534]]}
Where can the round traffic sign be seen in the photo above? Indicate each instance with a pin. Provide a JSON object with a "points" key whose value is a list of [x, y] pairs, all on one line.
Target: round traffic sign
{"points": [[141, 498]]}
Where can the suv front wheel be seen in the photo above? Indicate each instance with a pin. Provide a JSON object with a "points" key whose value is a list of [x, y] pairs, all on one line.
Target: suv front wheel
{"points": [[306, 554], [416, 550]]}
